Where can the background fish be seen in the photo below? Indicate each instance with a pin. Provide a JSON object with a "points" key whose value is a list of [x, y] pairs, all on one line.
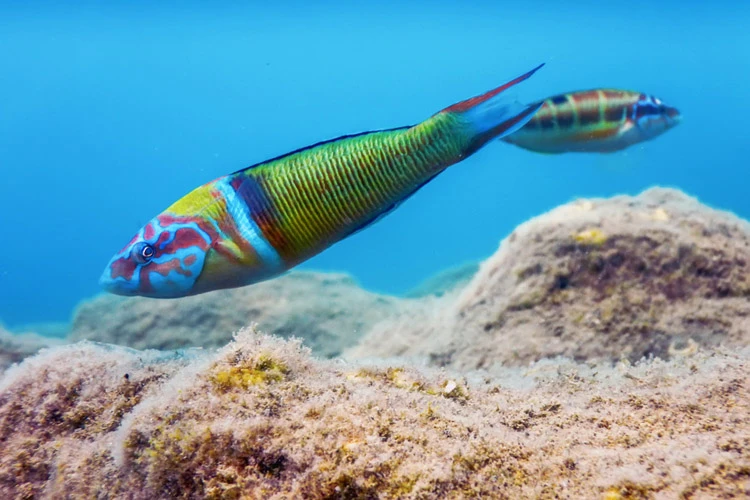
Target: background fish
{"points": [[596, 121], [262, 220]]}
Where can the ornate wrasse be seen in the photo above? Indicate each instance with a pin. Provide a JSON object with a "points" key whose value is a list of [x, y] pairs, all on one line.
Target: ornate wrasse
{"points": [[260, 221], [597, 121]]}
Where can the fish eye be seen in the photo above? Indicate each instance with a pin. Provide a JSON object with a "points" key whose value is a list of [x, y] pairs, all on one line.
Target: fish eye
{"points": [[143, 253]]}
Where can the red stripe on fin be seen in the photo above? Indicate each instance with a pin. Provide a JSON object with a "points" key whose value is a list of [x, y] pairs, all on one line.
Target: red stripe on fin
{"points": [[462, 106]]}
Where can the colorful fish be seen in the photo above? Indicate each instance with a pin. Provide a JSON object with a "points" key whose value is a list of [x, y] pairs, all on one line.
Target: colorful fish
{"points": [[262, 220], [595, 121]]}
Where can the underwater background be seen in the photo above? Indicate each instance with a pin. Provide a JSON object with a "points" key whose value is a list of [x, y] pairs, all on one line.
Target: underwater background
{"points": [[111, 112]]}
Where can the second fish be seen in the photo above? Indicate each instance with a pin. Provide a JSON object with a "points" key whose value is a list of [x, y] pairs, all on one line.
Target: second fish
{"points": [[595, 121]]}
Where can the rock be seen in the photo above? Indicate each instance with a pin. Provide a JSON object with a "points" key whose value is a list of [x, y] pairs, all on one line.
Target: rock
{"points": [[260, 418], [55, 329], [445, 281], [15, 347], [329, 311], [654, 275]]}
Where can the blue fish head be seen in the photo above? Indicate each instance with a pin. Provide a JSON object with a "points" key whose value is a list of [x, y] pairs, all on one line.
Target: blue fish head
{"points": [[653, 117], [163, 260]]}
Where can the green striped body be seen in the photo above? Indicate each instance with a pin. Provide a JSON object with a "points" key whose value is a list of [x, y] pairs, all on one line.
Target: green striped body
{"points": [[310, 199]]}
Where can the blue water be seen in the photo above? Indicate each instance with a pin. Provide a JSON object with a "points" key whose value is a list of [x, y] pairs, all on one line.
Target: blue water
{"points": [[108, 113]]}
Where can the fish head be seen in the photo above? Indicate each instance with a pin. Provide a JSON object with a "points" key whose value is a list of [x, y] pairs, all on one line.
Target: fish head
{"points": [[653, 117], [164, 259]]}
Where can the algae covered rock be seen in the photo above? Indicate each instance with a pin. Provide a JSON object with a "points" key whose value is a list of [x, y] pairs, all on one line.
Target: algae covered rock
{"points": [[329, 311], [56, 408], [260, 418], [626, 277]]}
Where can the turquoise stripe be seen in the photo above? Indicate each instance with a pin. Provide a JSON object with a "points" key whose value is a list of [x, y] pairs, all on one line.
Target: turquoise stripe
{"points": [[247, 227]]}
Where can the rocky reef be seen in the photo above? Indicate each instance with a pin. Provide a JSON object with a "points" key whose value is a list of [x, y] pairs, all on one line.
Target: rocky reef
{"points": [[654, 275], [15, 347], [330, 311], [445, 281], [602, 352], [650, 275]]}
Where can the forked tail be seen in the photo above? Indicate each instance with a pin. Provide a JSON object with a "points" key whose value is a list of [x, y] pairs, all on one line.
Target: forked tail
{"points": [[494, 114]]}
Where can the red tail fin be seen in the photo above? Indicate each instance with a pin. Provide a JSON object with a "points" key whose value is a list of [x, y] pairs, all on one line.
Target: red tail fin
{"points": [[462, 106], [492, 115]]}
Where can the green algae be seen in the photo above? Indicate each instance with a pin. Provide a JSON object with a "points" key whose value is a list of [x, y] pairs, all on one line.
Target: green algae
{"points": [[264, 370]]}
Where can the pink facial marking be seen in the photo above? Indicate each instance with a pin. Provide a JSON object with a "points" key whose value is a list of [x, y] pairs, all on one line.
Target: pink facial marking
{"points": [[164, 268], [145, 282], [124, 267], [163, 238], [148, 232], [186, 237], [167, 219]]}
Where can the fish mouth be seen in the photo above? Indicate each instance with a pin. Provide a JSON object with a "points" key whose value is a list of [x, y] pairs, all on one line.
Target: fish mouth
{"points": [[673, 114]]}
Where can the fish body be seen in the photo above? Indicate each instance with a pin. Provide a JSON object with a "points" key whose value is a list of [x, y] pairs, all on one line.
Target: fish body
{"points": [[260, 221], [594, 121]]}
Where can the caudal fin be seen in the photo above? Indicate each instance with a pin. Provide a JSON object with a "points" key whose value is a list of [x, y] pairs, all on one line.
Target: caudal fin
{"points": [[494, 114]]}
